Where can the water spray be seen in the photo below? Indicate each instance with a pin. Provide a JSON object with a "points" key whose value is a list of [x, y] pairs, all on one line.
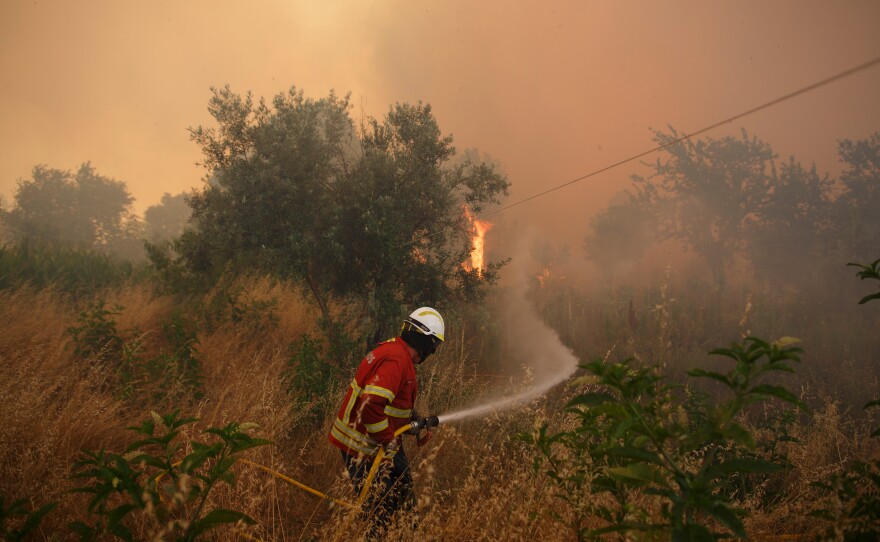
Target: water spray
{"points": [[506, 402], [538, 347]]}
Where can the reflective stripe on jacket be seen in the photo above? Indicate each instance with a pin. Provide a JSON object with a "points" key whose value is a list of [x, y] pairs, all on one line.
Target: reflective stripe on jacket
{"points": [[379, 400]]}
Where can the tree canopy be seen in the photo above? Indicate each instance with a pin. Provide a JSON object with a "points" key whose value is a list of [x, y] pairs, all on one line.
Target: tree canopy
{"points": [[83, 209], [707, 191], [371, 212], [729, 197], [167, 219]]}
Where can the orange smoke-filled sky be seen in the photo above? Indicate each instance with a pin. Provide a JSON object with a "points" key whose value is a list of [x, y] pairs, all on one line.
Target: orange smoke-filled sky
{"points": [[551, 89]]}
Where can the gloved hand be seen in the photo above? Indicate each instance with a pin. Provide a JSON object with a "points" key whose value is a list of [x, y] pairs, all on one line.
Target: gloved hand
{"points": [[417, 426]]}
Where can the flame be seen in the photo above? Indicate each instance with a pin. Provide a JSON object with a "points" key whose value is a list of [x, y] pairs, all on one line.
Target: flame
{"points": [[479, 228], [543, 276]]}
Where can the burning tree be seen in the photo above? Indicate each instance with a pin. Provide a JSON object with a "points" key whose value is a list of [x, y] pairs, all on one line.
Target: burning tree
{"points": [[479, 229], [371, 213]]}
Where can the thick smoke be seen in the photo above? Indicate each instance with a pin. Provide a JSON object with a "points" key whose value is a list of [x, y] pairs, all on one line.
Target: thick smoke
{"points": [[538, 347]]}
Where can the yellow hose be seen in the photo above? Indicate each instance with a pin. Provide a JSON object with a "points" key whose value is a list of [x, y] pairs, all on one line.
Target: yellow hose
{"points": [[375, 467], [277, 474], [300, 485]]}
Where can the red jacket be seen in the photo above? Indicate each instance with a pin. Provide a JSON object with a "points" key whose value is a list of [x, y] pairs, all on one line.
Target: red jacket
{"points": [[379, 401]]}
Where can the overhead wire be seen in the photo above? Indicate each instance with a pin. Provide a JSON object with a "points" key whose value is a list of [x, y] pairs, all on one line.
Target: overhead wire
{"points": [[803, 90], [771, 103]]}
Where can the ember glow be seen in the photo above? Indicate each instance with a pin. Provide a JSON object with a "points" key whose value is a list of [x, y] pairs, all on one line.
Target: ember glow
{"points": [[543, 275], [478, 239]]}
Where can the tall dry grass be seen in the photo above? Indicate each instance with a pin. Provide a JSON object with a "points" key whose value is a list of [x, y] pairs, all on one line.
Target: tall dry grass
{"points": [[474, 480]]}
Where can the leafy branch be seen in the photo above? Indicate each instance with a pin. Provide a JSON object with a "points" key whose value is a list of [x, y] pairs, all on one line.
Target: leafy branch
{"points": [[636, 437], [122, 484], [870, 271]]}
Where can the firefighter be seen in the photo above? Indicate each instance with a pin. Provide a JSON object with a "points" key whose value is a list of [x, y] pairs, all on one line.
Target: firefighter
{"points": [[379, 401]]}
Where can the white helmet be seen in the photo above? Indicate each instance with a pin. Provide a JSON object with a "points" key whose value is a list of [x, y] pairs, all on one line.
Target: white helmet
{"points": [[427, 321]]}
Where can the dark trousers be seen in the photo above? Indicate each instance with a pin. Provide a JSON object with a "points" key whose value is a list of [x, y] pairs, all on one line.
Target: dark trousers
{"points": [[390, 492]]}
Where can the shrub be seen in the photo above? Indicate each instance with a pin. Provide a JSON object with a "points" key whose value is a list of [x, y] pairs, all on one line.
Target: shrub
{"points": [[96, 337], [16, 513], [855, 492], [311, 376], [178, 368], [150, 485], [76, 271], [226, 303], [667, 466]]}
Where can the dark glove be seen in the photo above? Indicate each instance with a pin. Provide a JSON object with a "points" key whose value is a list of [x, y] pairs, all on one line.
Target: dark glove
{"points": [[422, 423], [417, 426]]}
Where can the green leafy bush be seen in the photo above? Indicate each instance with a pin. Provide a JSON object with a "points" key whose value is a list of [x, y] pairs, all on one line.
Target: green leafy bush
{"points": [[150, 485], [95, 337], [176, 368], [77, 272], [641, 457], [854, 514], [16, 523], [870, 271], [227, 303], [312, 372]]}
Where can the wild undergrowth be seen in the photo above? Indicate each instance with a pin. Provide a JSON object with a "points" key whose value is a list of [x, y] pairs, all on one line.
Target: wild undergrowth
{"points": [[75, 372]]}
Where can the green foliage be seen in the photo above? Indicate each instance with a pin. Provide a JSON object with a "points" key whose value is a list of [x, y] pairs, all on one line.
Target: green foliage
{"points": [[151, 486], [82, 209], [316, 367], [16, 513], [170, 374], [166, 220], [96, 338], [639, 450], [294, 189], [228, 303], [871, 271], [75, 271], [310, 377], [855, 492], [175, 370]]}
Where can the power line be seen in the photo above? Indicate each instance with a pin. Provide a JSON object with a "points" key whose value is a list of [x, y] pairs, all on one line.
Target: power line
{"points": [[803, 90], [771, 103]]}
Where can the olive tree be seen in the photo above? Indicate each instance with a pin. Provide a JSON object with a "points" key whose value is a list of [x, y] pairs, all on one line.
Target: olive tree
{"points": [[789, 232], [707, 192], [167, 219], [372, 212], [84, 209], [857, 209]]}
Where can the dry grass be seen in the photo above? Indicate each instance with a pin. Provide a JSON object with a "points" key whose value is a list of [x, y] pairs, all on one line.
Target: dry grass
{"points": [[474, 480]]}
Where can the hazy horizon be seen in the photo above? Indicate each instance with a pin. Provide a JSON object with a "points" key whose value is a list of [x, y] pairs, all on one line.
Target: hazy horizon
{"points": [[551, 90]]}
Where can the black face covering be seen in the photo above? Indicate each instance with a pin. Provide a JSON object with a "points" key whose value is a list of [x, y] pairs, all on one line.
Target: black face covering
{"points": [[425, 345]]}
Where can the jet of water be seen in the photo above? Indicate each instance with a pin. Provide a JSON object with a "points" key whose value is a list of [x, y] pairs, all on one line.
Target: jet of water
{"points": [[539, 348]]}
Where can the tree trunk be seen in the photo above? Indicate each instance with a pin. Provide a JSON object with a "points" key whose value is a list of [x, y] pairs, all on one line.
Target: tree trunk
{"points": [[325, 311]]}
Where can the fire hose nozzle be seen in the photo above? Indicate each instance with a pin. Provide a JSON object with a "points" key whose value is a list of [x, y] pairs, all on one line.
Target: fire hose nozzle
{"points": [[423, 423]]}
